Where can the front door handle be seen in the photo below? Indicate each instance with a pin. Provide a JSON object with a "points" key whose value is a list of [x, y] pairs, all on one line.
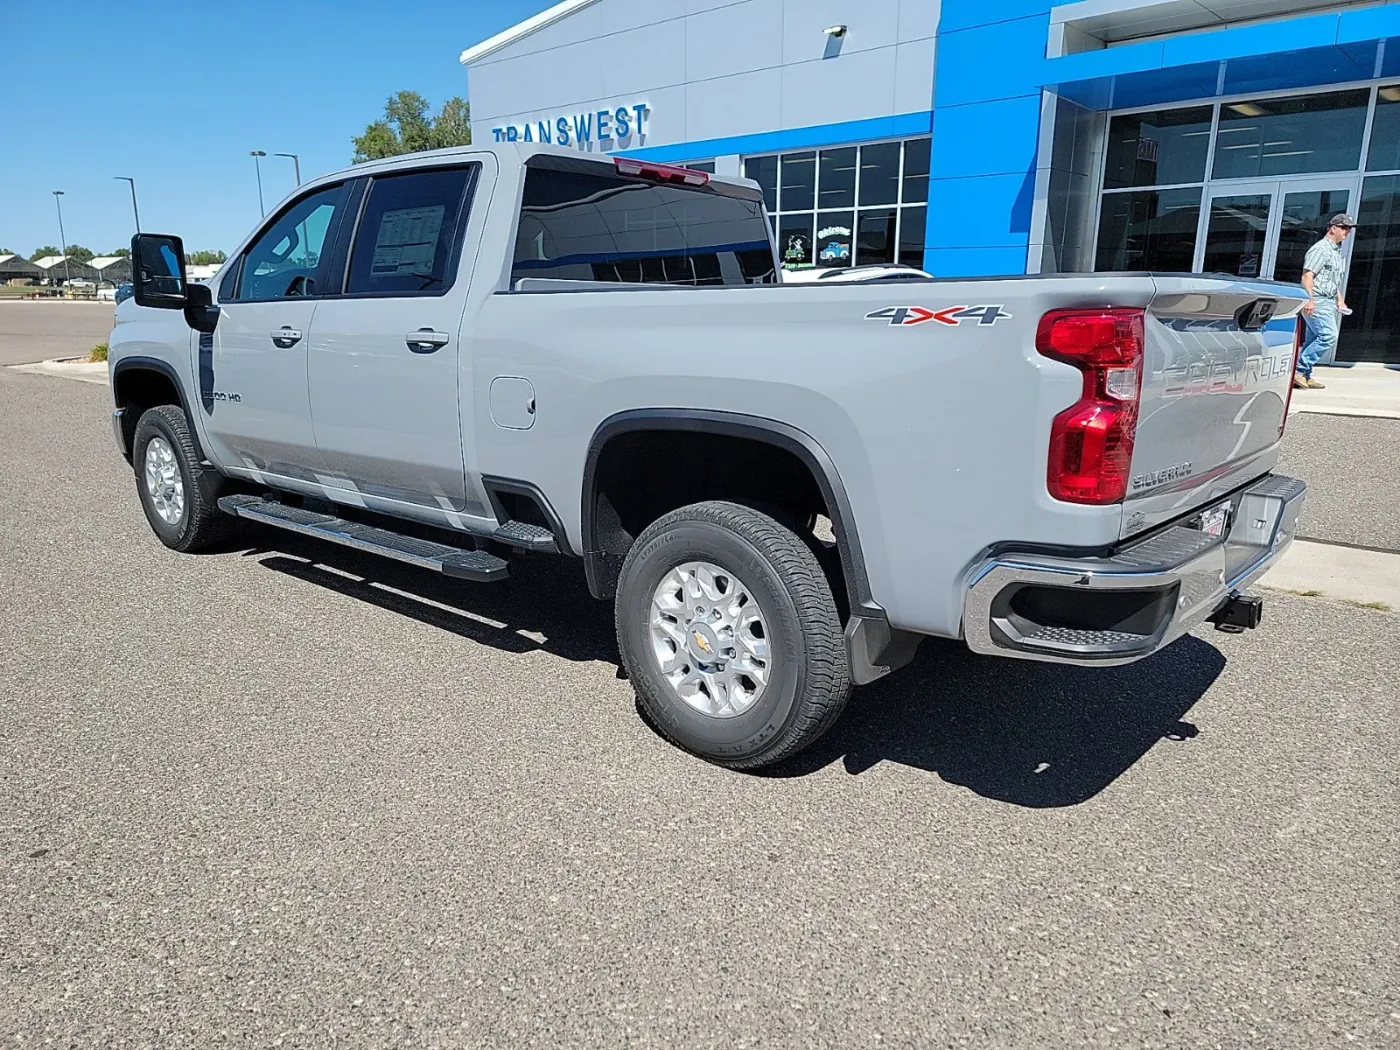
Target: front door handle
{"points": [[425, 340], [285, 337]]}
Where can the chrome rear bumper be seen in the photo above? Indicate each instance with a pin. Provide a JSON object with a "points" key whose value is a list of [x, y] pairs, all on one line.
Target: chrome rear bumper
{"points": [[1123, 607]]}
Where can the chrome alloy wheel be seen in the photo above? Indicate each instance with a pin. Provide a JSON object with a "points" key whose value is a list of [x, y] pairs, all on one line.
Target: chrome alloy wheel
{"points": [[164, 483], [710, 640]]}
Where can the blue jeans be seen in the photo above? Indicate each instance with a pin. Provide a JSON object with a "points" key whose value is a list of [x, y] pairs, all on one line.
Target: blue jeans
{"points": [[1323, 326]]}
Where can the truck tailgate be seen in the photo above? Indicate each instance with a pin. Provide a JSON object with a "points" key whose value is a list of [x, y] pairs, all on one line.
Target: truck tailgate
{"points": [[1215, 385]]}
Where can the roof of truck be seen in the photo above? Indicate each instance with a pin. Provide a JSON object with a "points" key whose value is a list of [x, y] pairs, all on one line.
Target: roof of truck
{"points": [[511, 152]]}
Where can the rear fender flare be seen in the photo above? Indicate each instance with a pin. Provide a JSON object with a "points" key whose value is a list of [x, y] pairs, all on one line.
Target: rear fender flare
{"points": [[802, 445]]}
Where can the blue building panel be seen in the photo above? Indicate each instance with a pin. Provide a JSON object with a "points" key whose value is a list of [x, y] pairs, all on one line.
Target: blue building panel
{"points": [[1313, 67], [990, 138], [1005, 60], [901, 125], [984, 210], [959, 14], [974, 261]]}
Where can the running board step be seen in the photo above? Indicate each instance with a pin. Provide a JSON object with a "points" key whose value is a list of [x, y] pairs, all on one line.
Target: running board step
{"points": [[480, 566], [526, 536]]}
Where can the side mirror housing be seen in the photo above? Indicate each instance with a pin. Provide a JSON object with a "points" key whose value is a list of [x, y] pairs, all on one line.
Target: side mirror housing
{"points": [[200, 312], [158, 271]]}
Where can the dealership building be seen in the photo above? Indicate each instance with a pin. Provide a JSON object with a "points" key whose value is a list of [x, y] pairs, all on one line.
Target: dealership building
{"points": [[997, 137]]}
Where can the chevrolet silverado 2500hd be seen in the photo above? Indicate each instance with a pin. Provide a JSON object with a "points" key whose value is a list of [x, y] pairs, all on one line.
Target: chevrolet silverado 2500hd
{"points": [[459, 357]]}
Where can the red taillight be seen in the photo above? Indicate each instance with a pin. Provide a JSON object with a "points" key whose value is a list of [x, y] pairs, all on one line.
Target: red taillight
{"points": [[1298, 331], [660, 172], [1091, 442]]}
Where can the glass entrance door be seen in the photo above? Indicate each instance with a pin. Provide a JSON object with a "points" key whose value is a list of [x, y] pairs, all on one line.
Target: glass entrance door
{"points": [[1237, 236], [1302, 221], [1264, 229]]}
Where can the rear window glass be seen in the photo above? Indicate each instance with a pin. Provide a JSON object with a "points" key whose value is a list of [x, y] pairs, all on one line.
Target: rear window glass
{"points": [[598, 226]]}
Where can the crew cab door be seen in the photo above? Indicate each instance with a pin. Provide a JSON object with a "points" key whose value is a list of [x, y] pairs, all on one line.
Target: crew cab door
{"points": [[252, 370], [384, 354]]}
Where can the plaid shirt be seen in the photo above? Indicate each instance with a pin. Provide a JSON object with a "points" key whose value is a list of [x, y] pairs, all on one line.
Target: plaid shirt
{"points": [[1324, 262]]}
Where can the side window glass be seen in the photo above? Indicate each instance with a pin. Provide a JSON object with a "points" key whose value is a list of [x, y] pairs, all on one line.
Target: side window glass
{"points": [[285, 261], [404, 241], [228, 287]]}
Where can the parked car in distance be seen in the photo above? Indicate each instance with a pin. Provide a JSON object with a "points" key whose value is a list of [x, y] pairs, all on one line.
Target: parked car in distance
{"points": [[123, 292], [459, 358]]}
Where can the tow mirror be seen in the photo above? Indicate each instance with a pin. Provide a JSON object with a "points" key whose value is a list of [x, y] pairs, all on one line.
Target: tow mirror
{"points": [[158, 276]]}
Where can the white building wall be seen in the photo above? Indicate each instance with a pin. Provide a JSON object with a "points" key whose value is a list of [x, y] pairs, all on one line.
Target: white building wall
{"points": [[709, 69]]}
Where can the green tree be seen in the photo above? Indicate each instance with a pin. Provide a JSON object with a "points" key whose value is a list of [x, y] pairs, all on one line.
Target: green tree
{"points": [[8, 251], [79, 254], [407, 128], [206, 258], [120, 253], [44, 252]]}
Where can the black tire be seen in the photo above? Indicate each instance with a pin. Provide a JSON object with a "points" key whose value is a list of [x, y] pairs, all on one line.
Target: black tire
{"points": [[810, 679], [201, 525]]}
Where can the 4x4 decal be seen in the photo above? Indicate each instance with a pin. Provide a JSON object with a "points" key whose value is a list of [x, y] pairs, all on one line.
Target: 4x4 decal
{"points": [[949, 315]]}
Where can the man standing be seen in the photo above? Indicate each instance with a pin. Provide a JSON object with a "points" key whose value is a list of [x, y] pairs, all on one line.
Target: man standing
{"points": [[1323, 270]]}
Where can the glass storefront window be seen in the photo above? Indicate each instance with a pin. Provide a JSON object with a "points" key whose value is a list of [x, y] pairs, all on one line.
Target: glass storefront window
{"points": [[1373, 288], [848, 205], [911, 236], [915, 172], [875, 232], [795, 240], [838, 178], [834, 238], [1148, 230], [879, 174], [799, 181], [1385, 131], [1157, 149], [764, 171], [1289, 136]]}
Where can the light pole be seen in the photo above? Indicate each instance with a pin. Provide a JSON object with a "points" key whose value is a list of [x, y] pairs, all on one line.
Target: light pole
{"points": [[296, 163], [62, 239], [134, 212], [257, 164]]}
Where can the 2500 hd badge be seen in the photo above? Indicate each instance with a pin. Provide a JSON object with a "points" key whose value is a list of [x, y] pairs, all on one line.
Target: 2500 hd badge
{"points": [[1151, 479]]}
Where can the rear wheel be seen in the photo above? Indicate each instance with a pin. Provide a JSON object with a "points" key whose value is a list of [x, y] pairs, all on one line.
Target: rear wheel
{"points": [[178, 495], [730, 635]]}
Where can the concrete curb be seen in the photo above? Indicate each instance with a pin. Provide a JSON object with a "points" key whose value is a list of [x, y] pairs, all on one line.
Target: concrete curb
{"points": [[1369, 413], [1346, 574], [82, 371], [1362, 390]]}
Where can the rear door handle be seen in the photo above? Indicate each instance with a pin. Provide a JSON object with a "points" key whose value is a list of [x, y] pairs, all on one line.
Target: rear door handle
{"points": [[425, 340], [286, 336]]}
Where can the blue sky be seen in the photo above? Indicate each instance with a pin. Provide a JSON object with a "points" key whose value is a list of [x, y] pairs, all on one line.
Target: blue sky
{"points": [[176, 94]]}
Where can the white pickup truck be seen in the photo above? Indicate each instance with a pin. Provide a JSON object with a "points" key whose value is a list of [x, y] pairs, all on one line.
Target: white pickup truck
{"points": [[458, 358]]}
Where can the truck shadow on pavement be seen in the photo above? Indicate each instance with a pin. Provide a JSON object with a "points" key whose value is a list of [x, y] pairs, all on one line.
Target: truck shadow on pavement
{"points": [[1028, 734], [1031, 734]]}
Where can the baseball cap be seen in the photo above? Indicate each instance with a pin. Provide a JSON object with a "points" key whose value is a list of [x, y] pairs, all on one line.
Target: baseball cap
{"points": [[1341, 219]]}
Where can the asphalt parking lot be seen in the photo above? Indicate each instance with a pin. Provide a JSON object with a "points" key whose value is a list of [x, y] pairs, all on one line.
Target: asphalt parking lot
{"points": [[289, 795], [1354, 488], [44, 330]]}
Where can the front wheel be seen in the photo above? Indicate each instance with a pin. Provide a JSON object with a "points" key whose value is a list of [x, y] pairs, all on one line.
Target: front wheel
{"points": [[730, 635], [178, 494]]}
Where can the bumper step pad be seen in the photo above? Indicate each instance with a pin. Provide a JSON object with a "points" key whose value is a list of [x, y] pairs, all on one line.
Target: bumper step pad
{"points": [[479, 566], [526, 536]]}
